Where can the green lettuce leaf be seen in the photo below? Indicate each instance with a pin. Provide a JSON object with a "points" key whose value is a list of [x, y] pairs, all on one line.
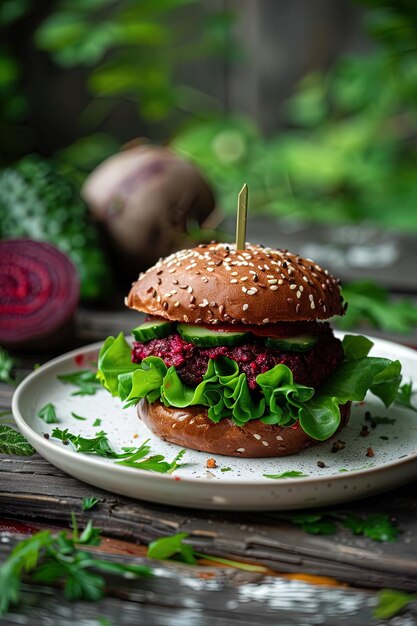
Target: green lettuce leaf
{"points": [[114, 360], [284, 398], [224, 389]]}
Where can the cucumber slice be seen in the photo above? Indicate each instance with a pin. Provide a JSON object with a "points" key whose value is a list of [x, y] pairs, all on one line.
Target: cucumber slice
{"points": [[154, 329], [205, 338], [299, 343]]}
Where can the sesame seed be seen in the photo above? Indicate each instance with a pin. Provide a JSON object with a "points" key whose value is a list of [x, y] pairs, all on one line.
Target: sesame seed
{"points": [[265, 443], [192, 306], [175, 282], [301, 288], [280, 282], [313, 306], [204, 279], [297, 308], [265, 320], [311, 297], [234, 280], [324, 308], [189, 289], [165, 305], [185, 318], [272, 281], [213, 304], [244, 278], [176, 303], [172, 271], [210, 269], [240, 450], [244, 289], [279, 438], [158, 298], [274, 287], [251, 292], [233, 273], [298, 294], [305, 279], [293, 286], [257, 436], [167, 295], [204, 303], [192, 299], [245, 307]]}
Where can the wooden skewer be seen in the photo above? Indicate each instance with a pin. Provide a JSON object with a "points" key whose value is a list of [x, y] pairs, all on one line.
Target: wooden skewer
{"points": [[241, 218]]}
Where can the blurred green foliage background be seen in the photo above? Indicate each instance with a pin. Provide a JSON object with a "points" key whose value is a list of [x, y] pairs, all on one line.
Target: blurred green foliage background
{"points": [[347, 152]]}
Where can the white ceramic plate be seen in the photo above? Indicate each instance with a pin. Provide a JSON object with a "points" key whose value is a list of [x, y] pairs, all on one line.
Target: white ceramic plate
{"points": [[349, 474]]}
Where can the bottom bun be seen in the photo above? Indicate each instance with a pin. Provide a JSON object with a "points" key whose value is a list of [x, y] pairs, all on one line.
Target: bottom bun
{"points": [[192, 428]]}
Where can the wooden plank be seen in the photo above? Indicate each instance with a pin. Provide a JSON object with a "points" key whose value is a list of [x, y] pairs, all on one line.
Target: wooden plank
{"points": [[32, 489], [179, 594]]}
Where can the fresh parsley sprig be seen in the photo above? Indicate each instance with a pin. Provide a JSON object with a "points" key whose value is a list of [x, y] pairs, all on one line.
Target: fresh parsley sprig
{"points": [[376, 526], [98, 445], [138, 458], [52, 558], [154, 463], [13, 442], [85, 380]]}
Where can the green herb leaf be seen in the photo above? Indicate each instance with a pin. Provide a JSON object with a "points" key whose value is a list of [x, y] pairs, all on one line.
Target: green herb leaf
{"points": [[22, 558], [155, 463], [391, 601], [62, 560], [86, 380], [226, 469], [89, 502], [405, 395], [13, 442], [172, 546], [375, 526], [131, 457], [78, 417], [88, 445], [7, 363], [291, 474], [97, 422], [48, 414]]}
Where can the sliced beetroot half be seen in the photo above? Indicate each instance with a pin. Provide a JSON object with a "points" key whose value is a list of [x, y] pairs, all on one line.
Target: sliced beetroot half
{"points": [[39, 290]]}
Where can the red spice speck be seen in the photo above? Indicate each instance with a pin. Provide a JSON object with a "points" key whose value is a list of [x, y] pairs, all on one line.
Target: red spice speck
{"points": [[177, 478], [79, 359]]}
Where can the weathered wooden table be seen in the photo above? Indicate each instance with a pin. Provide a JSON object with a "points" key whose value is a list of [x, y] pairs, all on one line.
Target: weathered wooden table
{"points": [[329, 580]]}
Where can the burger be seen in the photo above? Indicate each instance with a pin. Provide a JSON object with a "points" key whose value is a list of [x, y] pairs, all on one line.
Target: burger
{"points": [[235, 356]]}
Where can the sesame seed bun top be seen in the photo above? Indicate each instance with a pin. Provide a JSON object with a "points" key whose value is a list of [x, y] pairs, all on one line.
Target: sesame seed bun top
{"points": [[216, 283]]}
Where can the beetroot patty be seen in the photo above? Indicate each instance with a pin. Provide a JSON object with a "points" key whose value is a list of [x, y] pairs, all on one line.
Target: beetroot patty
{"points": [[309, 368]]}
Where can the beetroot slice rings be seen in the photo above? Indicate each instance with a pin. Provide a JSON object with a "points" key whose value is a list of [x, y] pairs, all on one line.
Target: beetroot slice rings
{"points": [[39, 290]]}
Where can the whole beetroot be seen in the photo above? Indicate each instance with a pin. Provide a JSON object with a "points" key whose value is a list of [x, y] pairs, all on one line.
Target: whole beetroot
{"points": [[143, 198]]}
